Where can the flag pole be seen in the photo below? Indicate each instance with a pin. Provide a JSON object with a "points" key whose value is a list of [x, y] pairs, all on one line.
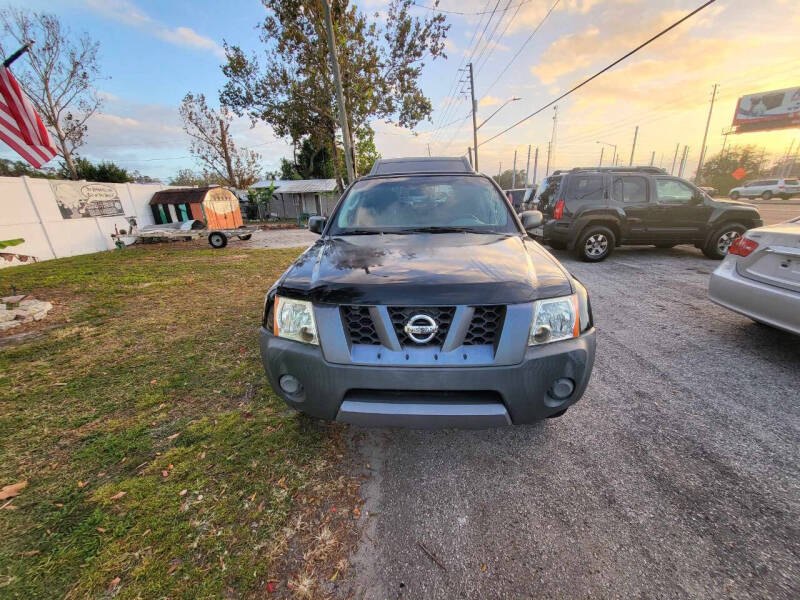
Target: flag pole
{"points": [[7, 62]]}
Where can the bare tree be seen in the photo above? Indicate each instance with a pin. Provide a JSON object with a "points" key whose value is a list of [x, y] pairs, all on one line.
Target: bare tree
{"points": [[58, 75], [213, 145]]}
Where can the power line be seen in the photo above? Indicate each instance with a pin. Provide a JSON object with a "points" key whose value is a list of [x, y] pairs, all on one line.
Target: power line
{"points": [[449, 97], [467, 14], [491, 37], [600, 72], [521, 48]]}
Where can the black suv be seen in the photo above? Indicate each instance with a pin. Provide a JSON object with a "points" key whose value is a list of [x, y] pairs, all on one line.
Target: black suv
{"points": [[425, 303], [591, 211]]}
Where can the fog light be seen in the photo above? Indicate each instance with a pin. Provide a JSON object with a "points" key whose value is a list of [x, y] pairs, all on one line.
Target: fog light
{"points": [[562, 388], [542, 334], [290, 385]]}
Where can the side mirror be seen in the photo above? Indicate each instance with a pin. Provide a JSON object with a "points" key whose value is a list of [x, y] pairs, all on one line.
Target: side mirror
{"points": [[531, 219], [317, 224]]}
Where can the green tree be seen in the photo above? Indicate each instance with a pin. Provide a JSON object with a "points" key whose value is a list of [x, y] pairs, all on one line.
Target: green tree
{"points": [[381, 60], [106, 172], [366, 153], [506, 179], [718, 170], [18, 168], [189, 178]]}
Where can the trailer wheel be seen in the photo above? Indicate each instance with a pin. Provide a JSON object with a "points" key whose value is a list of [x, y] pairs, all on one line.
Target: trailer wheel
{"points": [[246, 236], [217, 239]]}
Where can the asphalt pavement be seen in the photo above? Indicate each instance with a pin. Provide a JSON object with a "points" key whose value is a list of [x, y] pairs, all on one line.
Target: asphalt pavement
{"points": [[676, 475]]}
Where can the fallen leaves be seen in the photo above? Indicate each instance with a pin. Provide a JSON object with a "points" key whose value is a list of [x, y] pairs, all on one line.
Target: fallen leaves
{"points": [[113, 584], [173, 436], [117, 496], [12, 490], [182, 492]]}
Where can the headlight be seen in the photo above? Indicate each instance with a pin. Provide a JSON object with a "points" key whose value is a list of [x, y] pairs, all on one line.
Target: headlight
{"points": [[294, 320], [554, 319]]}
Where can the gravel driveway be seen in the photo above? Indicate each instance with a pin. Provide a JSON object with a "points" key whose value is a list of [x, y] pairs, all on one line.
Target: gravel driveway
{"points": [[280, 238], [676, 476]]}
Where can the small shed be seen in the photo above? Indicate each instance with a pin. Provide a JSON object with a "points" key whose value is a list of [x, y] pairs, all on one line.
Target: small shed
{"points": [[292, 198], [217, 207]]}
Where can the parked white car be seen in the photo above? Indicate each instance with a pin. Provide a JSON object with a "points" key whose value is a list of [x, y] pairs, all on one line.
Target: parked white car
{"points": [[760, 276], [767, 188]]}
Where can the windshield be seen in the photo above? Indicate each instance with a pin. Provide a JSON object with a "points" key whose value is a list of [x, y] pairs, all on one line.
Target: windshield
{"points": [[423, 203]]}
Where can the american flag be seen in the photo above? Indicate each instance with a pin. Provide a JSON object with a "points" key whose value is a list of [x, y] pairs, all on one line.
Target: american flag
{"points": [[20, 126]]}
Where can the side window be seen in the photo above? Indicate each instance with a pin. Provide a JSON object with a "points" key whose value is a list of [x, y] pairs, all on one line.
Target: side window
{"points": [[630, 189], [673, 191], [771, 182], [588, 188]]}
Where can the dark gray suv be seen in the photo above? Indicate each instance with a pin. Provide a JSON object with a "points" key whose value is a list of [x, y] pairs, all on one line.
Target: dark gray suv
{"points": [[425, 303]]}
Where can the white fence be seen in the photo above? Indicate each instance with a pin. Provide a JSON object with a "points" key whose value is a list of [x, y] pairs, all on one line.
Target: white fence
{"points": [[30, 210]]}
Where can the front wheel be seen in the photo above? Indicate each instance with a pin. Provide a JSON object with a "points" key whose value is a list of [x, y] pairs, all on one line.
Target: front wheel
{"points": [[217, 239], [766, 195], [734, 195], [595, 243], [721, 240]]}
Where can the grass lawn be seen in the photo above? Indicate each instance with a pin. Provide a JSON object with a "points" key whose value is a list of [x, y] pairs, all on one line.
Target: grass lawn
{"points": [[159, 463]]}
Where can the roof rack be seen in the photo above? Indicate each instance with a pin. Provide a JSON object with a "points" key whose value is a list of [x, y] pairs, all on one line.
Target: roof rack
{"points": [[657, 170], [422, 164]]}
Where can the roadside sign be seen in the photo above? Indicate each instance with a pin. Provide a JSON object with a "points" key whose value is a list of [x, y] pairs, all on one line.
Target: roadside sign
{"points": [[739, 173]]}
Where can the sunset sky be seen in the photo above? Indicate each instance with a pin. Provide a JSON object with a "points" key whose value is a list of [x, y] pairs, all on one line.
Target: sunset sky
{"points": [[154, 52]]}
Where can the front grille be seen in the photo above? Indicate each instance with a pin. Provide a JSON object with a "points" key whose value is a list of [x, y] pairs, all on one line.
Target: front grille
{"points": [[486, 325], [443, 315], [359, 325]]}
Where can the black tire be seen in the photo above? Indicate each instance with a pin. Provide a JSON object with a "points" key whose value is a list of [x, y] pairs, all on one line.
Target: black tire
{"points": [[718, 242], [664, 245], [557, 245], [217, 239], [766, 195], [734, 195], [246, 236], [558, 414], [595, 243]]}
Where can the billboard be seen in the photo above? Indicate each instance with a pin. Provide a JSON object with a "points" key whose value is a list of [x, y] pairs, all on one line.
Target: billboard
{"points": [[768, 110], [77, 199]]}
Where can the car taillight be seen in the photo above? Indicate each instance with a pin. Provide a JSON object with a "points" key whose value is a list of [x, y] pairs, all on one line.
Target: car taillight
{"points": [[558, 211], [742, 246]]}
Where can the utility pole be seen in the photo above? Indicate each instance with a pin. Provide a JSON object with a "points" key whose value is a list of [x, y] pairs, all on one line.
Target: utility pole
{"points": [[474, 116], [337, 80], [499, 170], [633, 148], [528, 168], [674, 159], [705, 134], [551, 152], [652, 158], [429, 150], [514, 172], [661, 161], [601, 155], [683, 160], [547, 167], [469, 150], [535, 164]]}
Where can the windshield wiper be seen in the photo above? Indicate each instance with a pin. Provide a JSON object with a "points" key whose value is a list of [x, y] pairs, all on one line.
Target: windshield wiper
{"points": [[360, 232]]}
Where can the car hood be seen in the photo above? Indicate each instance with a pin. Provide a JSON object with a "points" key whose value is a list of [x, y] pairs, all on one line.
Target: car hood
{"points": [[425, 269]]}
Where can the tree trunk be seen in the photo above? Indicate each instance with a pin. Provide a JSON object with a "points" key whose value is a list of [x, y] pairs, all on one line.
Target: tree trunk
{"points": [[226, 154]]}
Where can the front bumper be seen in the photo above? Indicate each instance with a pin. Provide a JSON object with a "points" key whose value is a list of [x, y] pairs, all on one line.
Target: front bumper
{"points": [[768, 304], [430, 396]]}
